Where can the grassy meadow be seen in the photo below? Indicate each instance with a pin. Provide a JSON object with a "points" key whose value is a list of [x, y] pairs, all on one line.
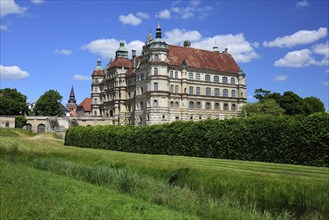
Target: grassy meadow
{"points": [[43, 179]]}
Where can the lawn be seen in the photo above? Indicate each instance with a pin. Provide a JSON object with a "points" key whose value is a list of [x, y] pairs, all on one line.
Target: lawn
{"points": [[41, 179]]}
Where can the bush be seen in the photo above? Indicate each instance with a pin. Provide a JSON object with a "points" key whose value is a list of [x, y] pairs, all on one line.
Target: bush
{"points": [[20, 121], [294, 140]]}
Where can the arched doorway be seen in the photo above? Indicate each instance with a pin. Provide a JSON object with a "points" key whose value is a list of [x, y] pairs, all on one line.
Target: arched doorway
{"points": [[41, 128], [28, 127]]}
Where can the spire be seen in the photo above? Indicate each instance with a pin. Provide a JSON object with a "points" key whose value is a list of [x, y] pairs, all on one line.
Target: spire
{"points": [[72, 96], [158, 30], [215, 48], [149, 38], [99, 64]]}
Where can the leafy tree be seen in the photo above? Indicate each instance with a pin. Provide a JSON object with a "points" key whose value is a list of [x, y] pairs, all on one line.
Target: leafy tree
{"points": [[314, 104], [293, 104], [20, 121], [12, 102], [261, 93], [265, 107], [49, 104]]}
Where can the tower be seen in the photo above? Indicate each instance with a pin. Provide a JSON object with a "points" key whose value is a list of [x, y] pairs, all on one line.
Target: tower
{"points": [[97, 78], [72, 103]]}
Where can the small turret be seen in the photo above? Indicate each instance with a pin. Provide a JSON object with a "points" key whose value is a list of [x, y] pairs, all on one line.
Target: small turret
{"points": [[122, 51]]}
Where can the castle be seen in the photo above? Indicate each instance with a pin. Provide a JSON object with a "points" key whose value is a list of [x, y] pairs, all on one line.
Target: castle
{"points": [[167, 83]]}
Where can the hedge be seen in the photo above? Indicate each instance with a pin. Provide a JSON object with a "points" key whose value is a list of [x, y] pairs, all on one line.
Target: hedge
{"points": [[300, 140]]}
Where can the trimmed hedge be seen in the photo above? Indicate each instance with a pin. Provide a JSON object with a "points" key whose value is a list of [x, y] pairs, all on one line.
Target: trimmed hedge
{"points": [[300, 140]]}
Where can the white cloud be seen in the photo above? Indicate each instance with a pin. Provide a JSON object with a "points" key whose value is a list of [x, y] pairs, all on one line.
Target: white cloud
{"points": [[12, 72], [10, 7], [107, 47], [305, 57], [38, 2], [279, 78], [143, 15], [3, 27], [238, 46], [63, 52], [193, 10], [303, 3], [325, 83], [299, 38], [130, 19], [81, 77], [164, 14], [195, 2]]}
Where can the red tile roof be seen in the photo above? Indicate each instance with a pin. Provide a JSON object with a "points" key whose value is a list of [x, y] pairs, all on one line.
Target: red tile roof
{"points": [[86, 104], [120, 62], [202, 59], [98, 73]]}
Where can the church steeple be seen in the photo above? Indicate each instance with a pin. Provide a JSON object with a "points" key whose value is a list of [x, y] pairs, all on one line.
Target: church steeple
{"points": [[72, 96], [72, 103]]}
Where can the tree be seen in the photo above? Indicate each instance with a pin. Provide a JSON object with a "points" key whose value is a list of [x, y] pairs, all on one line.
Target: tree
{"points": [[12, 102], [265, 107], [293, 104], [49, 104], [20, 121], [314, 104], [261, 93]]}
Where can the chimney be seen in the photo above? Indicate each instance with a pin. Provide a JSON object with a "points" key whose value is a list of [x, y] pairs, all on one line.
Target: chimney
{"points": [[225, 51], [187, 43], [133, 52]]}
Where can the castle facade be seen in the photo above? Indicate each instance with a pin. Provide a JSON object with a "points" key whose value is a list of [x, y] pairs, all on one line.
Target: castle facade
{"points": [[167, 83]]}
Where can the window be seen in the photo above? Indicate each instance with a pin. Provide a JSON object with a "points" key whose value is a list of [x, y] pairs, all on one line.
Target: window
{"points": [[191, 90], [7, 124], [208, 107], [171, 104], [197, 76], [176, 74], [190, 76], [176, 104], [171, 88], [191, 104], [198, 105], [171, 74], [41, 128], [198, 90], [176, 89], [155, 71], [225, 93], [225, 107], [233, 93], [95, 89], [155, 86], [155, 103], [216, 79], [232, 80], [156, 57], [216, 92], [95, 101], [207, 78], [225, 80], [216, 106], [233, 107], [28, 127], [208, 91], [142, 76], [142, 90], [141, 105]]}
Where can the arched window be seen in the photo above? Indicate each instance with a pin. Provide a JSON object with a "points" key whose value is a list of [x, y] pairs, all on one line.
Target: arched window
{"points": [[191, 104], [41, 128], [207, 78], [172, 88], [216, 92], [233, 93], [176, 74], [225, 93], [233, 107], [155, 86], [190, 76], [198, 105], [95, 113], [176, 104], [225, 107], [198, 90], [216, 79], [216, 106], [176, 89], [225, 80], [28, 127], [111, 113], [155, 71], [208, 106], [141, 104], [208, 91], [7, 124], [171, 74], [156, 57], [197, 76], [232, 80], [191, 90], [95, 101], [155, 103], [172, 104]]}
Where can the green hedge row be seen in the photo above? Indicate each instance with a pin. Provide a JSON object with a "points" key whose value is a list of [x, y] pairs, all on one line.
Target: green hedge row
{"points": [[295, 140]]}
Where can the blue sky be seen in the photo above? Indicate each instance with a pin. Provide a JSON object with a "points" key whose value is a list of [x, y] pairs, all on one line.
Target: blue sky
{"points": [[280, 45]]}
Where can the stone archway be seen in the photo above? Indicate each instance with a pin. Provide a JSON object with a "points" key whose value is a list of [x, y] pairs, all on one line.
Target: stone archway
{"points": [[41, 128]]}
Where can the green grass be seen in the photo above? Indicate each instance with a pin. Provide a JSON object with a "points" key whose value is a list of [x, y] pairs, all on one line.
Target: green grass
{"points": [[186, 187]]}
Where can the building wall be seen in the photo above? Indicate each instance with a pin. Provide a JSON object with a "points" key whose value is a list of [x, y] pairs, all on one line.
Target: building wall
{"points": [[7, 121]]}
